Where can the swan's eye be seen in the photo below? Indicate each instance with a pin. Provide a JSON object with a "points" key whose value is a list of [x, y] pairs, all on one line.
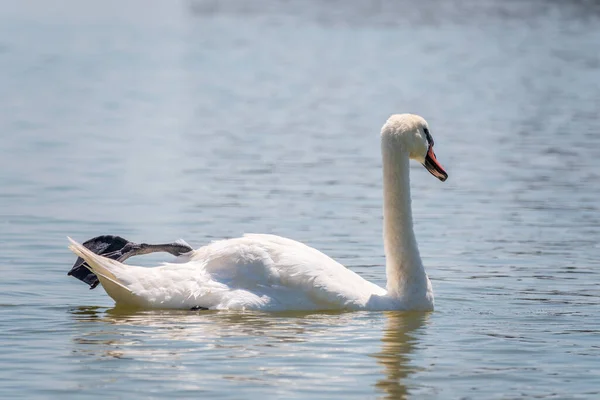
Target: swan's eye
{"points": [[428, 136]]}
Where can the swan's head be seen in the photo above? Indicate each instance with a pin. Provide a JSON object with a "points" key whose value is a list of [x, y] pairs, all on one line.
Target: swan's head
{"points": [[409, 133]]}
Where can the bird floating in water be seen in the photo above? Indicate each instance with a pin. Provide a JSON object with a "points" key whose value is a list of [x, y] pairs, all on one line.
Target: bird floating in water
{"points": [[272, 273]]}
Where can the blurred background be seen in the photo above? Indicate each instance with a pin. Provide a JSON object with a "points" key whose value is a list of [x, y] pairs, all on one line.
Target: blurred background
{"points": [[156, 120]]}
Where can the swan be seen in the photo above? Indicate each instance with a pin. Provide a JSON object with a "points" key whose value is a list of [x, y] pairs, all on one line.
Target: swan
{"points": [[271, 273]]}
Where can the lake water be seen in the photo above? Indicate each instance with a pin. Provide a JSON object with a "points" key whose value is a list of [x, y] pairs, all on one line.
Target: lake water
{"points": [[207, 119]]}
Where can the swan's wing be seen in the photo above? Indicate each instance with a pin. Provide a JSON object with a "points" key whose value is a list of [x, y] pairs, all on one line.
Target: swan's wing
{"points": [[286, 271]]}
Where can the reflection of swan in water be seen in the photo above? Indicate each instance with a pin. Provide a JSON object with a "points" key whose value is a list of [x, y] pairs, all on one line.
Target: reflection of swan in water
{"points": [[118, 335], [311, 337], [213, 325], [398, 343]]}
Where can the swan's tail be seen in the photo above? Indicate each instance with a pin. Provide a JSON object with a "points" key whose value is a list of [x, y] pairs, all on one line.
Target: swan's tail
{"points": [[107, 271]]}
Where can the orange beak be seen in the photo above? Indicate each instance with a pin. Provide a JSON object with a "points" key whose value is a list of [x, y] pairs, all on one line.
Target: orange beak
{"points": [[434, 166]]}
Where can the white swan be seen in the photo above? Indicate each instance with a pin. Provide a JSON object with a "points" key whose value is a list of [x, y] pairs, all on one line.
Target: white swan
{"points": [[272, 273]]}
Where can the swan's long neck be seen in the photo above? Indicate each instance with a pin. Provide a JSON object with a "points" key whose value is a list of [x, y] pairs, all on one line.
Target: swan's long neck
{"points": [[404, 269]]}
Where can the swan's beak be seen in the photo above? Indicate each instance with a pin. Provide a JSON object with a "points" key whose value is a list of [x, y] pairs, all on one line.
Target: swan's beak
{"points": [[434, 166]]}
